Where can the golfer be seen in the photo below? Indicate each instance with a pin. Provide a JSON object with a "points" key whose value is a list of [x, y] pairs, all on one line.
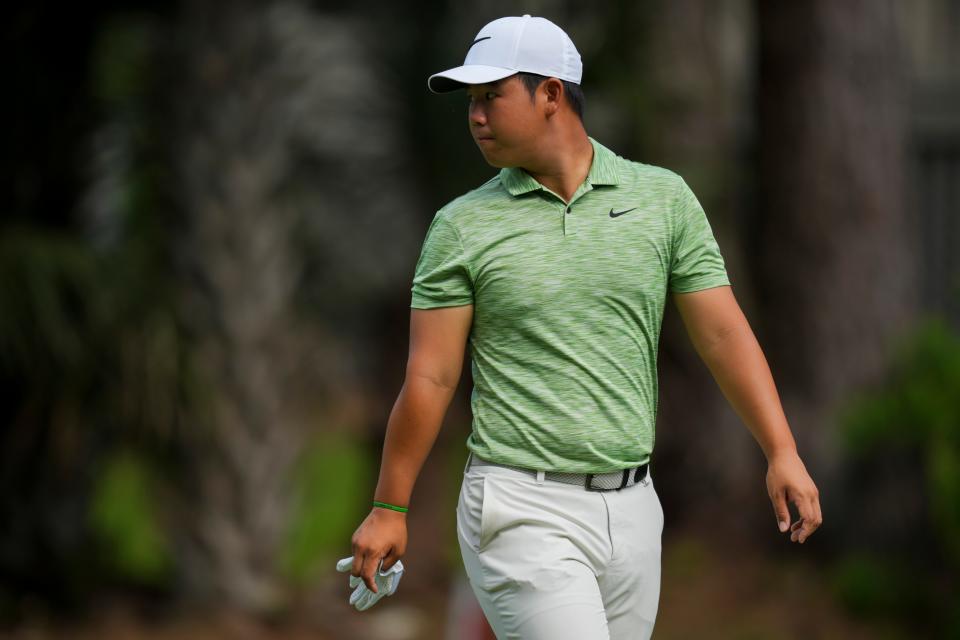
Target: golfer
{"points": [[556, 272]]}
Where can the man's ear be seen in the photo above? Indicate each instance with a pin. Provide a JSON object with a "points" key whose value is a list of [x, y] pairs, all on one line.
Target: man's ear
{"points": [[553, 95]]}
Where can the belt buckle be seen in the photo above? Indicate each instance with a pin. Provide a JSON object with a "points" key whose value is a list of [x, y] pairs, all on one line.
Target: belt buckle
{"points": [[586, 484], [627, 473], [589, 479]]}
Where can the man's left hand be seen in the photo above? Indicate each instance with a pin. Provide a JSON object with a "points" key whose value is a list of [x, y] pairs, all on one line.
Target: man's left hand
{"points": [[788, 481]]}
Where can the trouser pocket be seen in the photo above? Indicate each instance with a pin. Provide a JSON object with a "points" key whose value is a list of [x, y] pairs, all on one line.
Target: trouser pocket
{"points": [[470, 509]]}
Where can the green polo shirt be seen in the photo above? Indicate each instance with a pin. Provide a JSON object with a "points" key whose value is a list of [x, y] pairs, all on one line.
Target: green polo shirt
{"points": [[568, 303]]}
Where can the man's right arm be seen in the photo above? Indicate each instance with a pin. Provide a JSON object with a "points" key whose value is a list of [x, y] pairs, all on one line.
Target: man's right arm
{"points": [[438, 340]]}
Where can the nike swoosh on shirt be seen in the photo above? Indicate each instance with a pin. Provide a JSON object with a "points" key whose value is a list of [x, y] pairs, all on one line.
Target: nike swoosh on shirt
{"points": [[614, 214]]}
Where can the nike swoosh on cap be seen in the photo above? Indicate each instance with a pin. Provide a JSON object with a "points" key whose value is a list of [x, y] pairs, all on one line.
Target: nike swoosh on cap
{"points": [[478, 40]]}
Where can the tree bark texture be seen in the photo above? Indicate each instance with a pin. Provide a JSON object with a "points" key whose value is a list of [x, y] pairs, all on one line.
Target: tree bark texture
{"points": [[830, 250]]}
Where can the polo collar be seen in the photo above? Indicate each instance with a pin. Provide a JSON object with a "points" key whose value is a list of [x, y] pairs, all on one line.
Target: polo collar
{"points": [[603, 170]]}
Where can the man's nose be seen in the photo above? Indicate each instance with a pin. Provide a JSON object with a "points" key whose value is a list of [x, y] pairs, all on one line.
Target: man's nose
{"points": [[476, 115]]}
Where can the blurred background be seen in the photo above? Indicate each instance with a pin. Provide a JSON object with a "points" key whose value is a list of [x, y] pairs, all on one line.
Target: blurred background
{"points": [[212, 216]]}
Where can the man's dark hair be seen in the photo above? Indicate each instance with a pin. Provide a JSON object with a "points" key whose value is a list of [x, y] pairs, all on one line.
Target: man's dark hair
{"points": [[570, 89]]}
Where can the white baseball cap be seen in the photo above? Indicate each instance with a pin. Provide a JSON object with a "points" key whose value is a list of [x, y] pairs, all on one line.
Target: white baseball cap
{"points": [[508, 45]]}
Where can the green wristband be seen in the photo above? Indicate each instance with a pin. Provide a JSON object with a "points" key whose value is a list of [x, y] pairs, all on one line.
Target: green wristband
{"points": [[389, 506]]}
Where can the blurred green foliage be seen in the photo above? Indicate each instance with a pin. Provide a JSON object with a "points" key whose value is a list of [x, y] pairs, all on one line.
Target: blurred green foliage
{"points": [[919, 408], [120, 60], [328, 506], [916, 410], [871, 585], [123, 518], [48, 283], [90, 348]]}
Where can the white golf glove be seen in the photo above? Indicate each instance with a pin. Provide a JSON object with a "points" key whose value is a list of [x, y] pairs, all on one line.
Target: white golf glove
{"points": [[387, 581]]}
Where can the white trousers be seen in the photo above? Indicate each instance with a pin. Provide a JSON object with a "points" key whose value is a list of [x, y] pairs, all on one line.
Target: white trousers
{"points": [[553, 561]]}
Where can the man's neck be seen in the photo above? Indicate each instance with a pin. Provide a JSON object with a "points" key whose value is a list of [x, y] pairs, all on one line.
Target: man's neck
{"points": [[565, 163]]}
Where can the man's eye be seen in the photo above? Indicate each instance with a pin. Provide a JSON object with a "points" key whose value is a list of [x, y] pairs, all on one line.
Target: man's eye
{"points": [[488, 94]]}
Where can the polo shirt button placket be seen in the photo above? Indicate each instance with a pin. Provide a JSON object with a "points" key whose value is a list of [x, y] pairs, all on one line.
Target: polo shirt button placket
{"points": [[566, 221]]}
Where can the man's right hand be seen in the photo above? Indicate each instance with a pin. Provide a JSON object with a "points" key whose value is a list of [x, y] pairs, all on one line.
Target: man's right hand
{"points": [[382, 534]]}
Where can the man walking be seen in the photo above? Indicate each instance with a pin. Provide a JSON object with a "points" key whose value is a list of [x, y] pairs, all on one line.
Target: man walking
{"points": [[557, 271]]}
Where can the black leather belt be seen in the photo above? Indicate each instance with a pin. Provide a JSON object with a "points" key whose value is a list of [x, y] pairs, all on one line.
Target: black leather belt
{"points": [[611, 481]]}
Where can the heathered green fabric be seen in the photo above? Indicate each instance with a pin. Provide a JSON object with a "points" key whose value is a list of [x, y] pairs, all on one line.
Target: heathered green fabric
{"points": [[567, 307]]}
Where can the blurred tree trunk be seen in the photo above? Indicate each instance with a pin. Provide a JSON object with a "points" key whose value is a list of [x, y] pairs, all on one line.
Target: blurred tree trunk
{"points": [[239, 274], [829, 249], [279, 135]]}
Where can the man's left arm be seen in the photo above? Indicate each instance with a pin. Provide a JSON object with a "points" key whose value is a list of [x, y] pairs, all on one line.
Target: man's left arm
{"points": [[724, 340]]}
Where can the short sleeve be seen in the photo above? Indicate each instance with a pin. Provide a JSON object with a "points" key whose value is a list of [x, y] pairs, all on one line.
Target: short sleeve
{"points": [[442, 275], [697, 263]]}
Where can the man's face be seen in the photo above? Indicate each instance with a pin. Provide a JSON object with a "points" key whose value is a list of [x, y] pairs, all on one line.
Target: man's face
{"points": [[503, 121]]}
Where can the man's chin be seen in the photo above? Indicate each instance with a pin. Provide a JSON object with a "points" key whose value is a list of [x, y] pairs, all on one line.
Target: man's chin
{"points": [[493, 161]]}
